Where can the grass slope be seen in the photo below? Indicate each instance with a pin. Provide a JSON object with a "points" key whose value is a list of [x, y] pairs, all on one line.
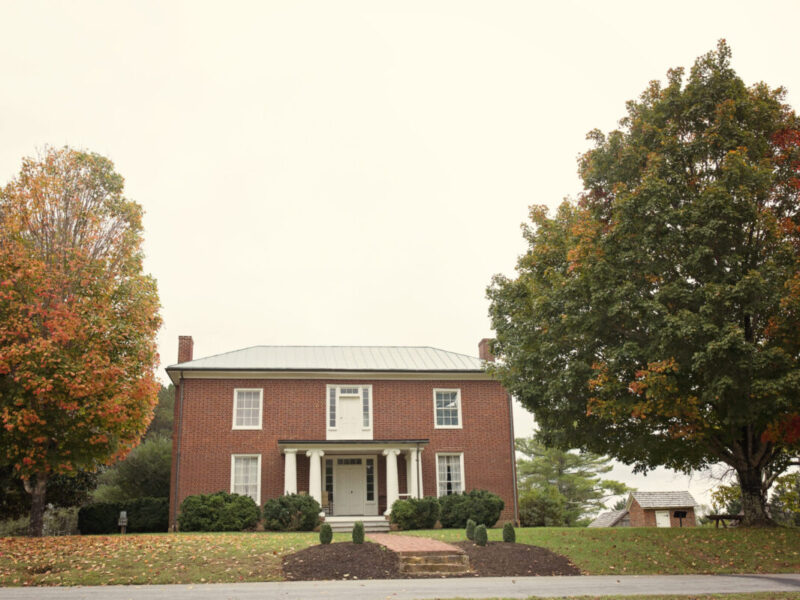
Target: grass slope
{"points": [[232, 557], [651, 551]]}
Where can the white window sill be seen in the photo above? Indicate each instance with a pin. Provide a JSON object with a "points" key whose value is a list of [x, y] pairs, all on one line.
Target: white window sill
{"points": [[247, 427]]}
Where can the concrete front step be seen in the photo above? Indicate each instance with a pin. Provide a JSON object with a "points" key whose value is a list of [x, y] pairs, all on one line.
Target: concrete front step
{"points": [[371, 525], [434, 563]]}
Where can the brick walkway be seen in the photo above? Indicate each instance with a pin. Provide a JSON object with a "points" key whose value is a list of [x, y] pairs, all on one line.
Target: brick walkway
{"points": [[404, 544]]}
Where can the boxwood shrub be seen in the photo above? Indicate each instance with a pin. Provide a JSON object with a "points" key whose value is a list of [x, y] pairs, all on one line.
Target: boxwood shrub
{"points": [[145, 515], [220, 511], [416, 513], [292, 512], [479, 505]]}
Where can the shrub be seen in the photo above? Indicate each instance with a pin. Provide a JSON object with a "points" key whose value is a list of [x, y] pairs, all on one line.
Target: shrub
{"points": [[325, 534], [479, 505], [99, 518], [481, 537], [292, 512], [543, 507], [416, 513], [218, 512], [470, 529], [15, 527], [144, 515], [509, 535], [358, 532]]}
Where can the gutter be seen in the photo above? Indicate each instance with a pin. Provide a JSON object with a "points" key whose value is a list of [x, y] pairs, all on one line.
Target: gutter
{"points": [[178, 453]]}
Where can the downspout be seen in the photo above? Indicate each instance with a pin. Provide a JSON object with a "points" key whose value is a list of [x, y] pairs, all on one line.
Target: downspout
{"points": [[178, 453], [513, 457]]}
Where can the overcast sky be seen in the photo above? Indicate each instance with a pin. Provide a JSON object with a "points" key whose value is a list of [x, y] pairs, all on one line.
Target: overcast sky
{"points": [[350, 173]]}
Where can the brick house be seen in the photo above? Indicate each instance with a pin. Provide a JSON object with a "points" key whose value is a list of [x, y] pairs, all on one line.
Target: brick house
{"points": [[651, 509], [354, 427]]}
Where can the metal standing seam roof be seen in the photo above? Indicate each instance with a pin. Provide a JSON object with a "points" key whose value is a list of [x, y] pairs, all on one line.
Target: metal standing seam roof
{"points": [[608, 519], [664, 499], [335, 358]]}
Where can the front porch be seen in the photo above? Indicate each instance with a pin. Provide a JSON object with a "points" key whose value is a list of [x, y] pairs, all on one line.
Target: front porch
{"points": [[355, 478]]}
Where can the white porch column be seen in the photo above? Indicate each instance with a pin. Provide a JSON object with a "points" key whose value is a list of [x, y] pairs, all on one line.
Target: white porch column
{"points": [[315, 474], [290, 471], [392, 485], [412, 473]]}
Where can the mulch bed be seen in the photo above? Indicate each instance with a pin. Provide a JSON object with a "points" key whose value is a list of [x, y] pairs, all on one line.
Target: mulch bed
{"points": [[502, 559], [346, 560], [342, 560]]}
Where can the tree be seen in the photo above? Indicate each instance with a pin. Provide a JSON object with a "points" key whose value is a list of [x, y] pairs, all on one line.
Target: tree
{"points": [[161, 425], [784, 503], [78, 320], [144, 473], [572, 475], [657, 319]]}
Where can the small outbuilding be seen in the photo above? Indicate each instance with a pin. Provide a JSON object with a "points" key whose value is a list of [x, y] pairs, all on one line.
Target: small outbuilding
{"points": [[652, 509]]}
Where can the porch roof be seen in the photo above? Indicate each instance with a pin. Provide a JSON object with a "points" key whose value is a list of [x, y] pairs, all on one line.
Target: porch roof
{"points": [[350, 444]]}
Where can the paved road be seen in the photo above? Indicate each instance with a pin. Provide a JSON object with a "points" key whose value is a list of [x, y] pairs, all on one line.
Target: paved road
{"points": [[418, 589]]}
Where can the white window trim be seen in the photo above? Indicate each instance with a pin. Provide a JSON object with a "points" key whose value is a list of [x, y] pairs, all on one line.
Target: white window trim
{"points": [[260, 407], [338, 387], [258, 479], [463, 473], [458, 404]]}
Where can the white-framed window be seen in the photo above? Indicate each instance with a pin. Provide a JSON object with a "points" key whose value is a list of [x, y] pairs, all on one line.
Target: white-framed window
{"points": [[246, 476], [348, 410], [247, 408], [450, 473], [447, 409]]}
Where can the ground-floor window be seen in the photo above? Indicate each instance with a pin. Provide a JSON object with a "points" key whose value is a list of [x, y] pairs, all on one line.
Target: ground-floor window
{"points": [[450, 473], [246, 475]]}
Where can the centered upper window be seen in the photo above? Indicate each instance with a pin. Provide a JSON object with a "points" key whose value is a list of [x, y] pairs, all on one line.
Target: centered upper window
{"points": [[247, 408], [447, 409], [348, 413]]}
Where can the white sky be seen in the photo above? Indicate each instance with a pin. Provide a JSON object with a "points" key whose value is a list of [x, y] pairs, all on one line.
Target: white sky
{"points": [[350, 172]]}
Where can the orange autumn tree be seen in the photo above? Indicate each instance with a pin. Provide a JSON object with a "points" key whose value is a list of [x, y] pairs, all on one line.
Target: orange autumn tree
{"points": [[78, 320]]}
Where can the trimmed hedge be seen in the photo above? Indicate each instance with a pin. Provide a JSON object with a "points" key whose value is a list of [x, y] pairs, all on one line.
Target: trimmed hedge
{"points": [[218, 512], [145, 515], [292, 512], [481, 537], [479, 505], [325, 534], [358, 532], [416, 513], [509, 535]]}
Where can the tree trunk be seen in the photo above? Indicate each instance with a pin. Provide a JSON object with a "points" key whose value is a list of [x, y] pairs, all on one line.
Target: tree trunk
{"points": [[754, 502], [36, 486]]}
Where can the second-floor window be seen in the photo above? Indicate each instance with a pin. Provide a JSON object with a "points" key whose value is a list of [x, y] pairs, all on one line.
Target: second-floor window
{"points": [[447, 408], [247, 408], [349, 411]]}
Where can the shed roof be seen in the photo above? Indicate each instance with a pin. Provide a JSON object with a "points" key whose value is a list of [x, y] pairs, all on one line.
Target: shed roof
{"points": [[608, 519], [663, 499], [335, 358]]}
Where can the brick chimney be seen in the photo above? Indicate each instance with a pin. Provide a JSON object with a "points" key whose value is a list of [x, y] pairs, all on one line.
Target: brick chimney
{"points": [[483, 350], [185, 348]]}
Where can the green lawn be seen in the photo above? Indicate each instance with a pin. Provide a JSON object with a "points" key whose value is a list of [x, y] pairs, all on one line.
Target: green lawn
{"points": [[143, 558], [231, 557], [641, 551]]}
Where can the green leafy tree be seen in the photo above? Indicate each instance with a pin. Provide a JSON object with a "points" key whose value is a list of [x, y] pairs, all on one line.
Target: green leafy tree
{"points": [[575, 475], [144, 473], [657, 319], [163, 416], [78, 321], [543, 507], [784, 502]]}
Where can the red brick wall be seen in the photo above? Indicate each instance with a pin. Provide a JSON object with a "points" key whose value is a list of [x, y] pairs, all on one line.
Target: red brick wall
{"points": [[295, 409], [641, 517]]}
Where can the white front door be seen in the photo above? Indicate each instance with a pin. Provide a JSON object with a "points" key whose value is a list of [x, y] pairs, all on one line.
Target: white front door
{"points": [[662, 518], [349, 485]]}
